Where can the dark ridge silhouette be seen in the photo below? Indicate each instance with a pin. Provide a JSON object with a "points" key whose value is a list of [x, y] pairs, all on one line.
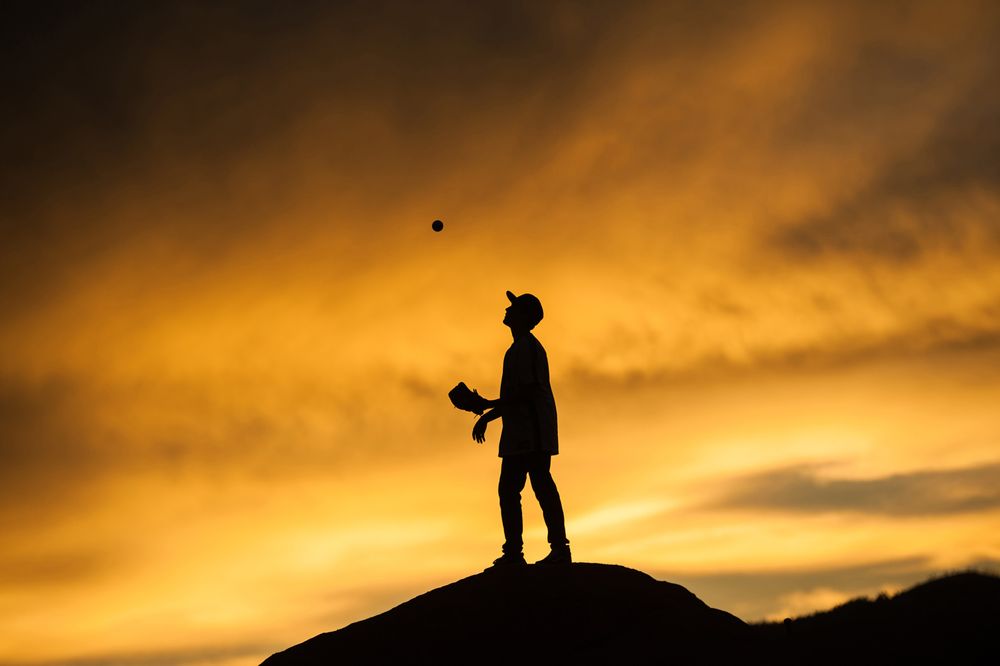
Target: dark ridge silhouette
{"points": [[606, 614], [954, 619], [555, 614]]}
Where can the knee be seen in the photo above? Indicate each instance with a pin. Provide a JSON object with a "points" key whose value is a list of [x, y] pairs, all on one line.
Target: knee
{"points": [[542, 479], [544, 486], [508, 490]]}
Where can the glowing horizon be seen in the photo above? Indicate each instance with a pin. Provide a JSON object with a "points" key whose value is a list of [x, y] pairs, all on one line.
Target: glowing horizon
{"points": [[765, 238]]}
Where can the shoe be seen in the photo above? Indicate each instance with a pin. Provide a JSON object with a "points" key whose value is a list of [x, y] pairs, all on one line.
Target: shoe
{"points": [[508, 561], [557, 556]]}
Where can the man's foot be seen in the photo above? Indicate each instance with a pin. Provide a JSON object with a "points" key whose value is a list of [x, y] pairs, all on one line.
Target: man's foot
{"points": [[557, 556], [508, 561]]}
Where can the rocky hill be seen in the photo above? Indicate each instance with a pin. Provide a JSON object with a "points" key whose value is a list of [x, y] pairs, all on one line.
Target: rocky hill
{"points": [[606, 614]]}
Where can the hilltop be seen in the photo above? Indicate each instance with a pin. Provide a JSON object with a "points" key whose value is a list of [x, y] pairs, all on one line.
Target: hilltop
{"points": [[599, 613]]}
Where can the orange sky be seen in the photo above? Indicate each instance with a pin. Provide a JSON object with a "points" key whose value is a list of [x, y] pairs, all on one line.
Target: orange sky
{"points": [[765, 235]]}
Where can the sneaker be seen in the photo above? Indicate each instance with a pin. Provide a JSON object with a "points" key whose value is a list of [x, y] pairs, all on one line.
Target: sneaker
{"points": [[557, 556], [508, 561]]}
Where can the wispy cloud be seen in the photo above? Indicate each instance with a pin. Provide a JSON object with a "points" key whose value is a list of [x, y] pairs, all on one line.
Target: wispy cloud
{"points": [[222, 310], [922, 493]]}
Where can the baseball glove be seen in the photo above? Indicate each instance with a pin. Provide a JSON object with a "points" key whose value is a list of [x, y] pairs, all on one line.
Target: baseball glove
{"points": [[466, 399]]}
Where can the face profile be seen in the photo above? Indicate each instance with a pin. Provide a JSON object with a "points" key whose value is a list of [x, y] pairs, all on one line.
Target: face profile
{"points": [[513, 317]]}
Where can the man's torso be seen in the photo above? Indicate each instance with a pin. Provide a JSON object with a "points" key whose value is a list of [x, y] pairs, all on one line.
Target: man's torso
{"points": [[529, 425]]}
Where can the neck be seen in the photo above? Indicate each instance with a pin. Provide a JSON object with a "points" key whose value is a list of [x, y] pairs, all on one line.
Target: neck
{"points": [[517, 333]]}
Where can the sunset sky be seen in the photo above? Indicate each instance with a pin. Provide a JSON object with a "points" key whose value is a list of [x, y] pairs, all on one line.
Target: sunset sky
{"points": [[766, 236]]}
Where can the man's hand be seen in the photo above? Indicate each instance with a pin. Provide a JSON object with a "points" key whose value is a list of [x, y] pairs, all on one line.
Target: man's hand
{"points": [[479, 430]]}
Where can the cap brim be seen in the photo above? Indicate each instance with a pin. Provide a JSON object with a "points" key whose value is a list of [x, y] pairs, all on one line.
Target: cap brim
{"points": [[511, 297]]}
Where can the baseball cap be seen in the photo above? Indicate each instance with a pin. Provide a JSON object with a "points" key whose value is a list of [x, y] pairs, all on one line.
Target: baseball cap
{"points": [[530, 305]]}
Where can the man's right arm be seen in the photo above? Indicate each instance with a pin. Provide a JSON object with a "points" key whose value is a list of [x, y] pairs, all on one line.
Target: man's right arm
{"points": [[518, 394], [493, 414]]}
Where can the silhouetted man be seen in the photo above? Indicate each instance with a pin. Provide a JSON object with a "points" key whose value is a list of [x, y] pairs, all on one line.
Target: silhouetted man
{"points": [[529, 437]]}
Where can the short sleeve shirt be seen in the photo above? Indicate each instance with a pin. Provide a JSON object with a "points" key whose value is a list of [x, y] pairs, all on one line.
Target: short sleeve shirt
{"points": [[529, 411]]}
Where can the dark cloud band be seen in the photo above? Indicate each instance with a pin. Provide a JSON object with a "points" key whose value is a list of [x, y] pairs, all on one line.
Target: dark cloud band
{"points": [[923, 493]]}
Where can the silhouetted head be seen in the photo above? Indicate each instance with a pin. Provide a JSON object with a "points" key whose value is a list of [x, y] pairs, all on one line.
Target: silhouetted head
{"points": [[524, 311]]}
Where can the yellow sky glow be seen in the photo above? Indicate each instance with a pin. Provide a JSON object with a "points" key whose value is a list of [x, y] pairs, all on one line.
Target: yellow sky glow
{"points": [[765, 238]]}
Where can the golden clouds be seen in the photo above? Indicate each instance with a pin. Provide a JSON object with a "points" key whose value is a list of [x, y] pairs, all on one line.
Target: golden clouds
{"points": [[765, 237]]}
